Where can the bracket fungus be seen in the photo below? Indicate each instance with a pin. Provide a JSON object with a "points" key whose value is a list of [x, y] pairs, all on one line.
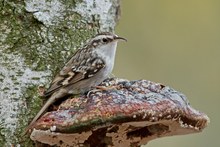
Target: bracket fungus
{"points": [[126, 113]]}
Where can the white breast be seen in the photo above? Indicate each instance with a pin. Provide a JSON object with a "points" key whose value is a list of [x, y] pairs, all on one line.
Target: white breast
{"points": [[107, 53]]}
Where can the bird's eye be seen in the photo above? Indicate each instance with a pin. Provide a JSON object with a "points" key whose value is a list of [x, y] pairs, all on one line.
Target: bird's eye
{"points": [[104, 40]]}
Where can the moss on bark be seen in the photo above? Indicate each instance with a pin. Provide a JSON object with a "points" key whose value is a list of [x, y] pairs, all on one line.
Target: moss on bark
{"points": [[36, 39]]}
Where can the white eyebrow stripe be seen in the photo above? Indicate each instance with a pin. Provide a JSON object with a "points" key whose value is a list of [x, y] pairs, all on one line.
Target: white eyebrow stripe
{"points": [[102, 36]]}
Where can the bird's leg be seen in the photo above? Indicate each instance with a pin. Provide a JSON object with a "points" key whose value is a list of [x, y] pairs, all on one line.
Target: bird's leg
{"points": [[104, 88], [101, 88]]}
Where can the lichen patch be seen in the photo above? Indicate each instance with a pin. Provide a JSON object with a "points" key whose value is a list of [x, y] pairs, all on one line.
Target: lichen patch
{"points": [[15, 78]]}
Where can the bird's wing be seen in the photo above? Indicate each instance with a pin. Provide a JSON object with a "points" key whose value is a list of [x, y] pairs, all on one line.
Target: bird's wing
{"points": [[75, 72], [86, 71]]}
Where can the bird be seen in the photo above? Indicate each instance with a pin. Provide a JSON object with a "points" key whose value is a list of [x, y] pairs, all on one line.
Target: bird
{"points": [[87, 68]]}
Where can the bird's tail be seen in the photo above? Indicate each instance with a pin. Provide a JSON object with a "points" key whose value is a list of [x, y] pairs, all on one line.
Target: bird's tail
{"points": [[50, 101]]}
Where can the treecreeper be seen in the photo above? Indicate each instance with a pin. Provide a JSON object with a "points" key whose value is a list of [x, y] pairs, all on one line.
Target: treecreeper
{"points": [[87, 68]]}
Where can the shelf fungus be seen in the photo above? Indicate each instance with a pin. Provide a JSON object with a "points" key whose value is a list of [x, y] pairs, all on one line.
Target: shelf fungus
{"points": [[119, 113]]}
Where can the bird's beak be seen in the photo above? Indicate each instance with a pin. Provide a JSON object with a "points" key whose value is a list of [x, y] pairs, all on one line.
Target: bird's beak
{"points": [[119, 38]]}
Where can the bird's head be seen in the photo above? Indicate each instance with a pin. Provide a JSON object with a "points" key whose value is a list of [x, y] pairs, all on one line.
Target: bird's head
{"points": [[105, 40]]}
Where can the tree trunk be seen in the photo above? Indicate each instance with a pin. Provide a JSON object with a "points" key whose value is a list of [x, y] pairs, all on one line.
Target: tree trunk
{"points": [[37, 37]]}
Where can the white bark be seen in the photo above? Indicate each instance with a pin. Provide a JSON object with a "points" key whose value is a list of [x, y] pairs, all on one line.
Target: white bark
{"points": [[37, 37]]}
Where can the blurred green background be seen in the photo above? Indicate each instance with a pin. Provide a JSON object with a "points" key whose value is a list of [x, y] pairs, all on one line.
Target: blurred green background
{"points": [[176, 43]]}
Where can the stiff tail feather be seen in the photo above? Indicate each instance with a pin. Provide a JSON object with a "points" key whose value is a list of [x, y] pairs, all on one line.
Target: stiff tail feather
{"points": [[50, 101]]}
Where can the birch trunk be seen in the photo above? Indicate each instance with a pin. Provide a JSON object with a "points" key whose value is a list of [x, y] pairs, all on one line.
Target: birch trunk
{"points": [[36, 39]]}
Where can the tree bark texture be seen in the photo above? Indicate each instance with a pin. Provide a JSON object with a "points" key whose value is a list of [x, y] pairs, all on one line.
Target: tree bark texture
{"points": [[37, 37]]}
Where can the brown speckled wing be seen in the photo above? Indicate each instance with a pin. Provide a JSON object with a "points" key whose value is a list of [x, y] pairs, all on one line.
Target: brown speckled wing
{"points": [[86, 71], [74, 72]]}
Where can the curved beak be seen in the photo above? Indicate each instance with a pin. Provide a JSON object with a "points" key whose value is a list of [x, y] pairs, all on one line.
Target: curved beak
{"points": [[119, 38]]}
